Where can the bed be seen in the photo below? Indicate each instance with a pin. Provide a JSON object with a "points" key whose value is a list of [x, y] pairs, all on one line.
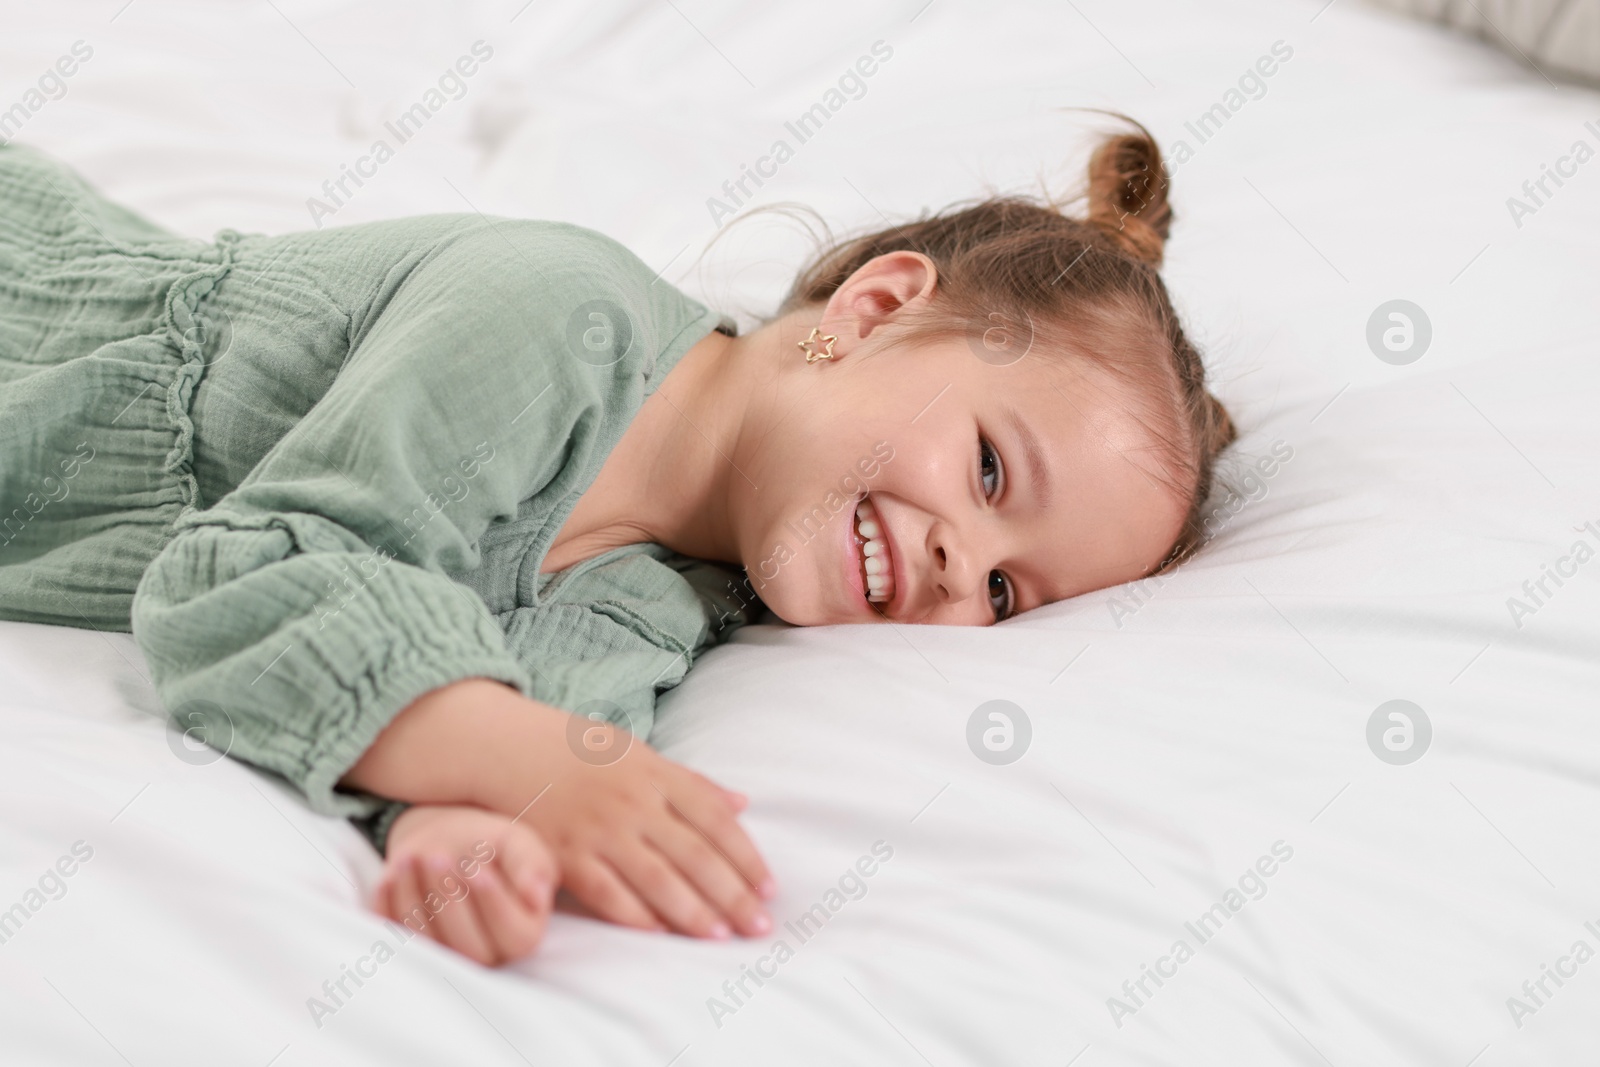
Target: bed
{"points": [[1327, 794]]}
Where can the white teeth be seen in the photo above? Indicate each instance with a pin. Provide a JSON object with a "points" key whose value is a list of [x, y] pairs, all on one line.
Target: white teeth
{"points": [[875, 550]]}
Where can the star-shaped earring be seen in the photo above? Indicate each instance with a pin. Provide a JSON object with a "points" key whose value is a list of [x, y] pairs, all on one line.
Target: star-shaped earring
{"points": [[808, 346]]}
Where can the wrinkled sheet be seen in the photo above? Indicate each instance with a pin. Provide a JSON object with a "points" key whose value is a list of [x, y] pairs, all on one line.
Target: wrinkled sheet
{"points": [[1198, 769]]}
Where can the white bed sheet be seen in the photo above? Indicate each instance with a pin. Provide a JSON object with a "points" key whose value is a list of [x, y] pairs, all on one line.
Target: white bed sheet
{"points": [[1171, 749]]}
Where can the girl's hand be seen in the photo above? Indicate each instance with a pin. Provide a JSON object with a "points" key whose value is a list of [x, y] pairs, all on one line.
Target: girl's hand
{"points": [[646, 842], [471, 879], [639, 840]]}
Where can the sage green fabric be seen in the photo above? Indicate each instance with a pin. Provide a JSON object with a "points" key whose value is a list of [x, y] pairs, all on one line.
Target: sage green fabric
{"points": [[316, 475]]}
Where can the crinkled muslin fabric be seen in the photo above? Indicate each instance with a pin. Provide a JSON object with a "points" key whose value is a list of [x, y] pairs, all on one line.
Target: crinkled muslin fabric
{"points": [[316, 475]]}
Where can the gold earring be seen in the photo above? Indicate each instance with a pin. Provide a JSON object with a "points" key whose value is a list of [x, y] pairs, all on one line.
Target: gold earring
{"points": [[807, 346]]}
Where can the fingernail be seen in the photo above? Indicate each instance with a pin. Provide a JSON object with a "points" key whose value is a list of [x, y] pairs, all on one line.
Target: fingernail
{"points": [[720, 931], [768, 888], [761, 923]]}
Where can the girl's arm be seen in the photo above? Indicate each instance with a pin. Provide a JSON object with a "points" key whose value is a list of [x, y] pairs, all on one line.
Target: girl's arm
{"points": [[642, 841], [297, 615]]}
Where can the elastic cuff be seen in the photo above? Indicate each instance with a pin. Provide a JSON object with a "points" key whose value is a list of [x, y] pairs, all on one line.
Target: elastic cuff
{"points": [[333, 756], [375, 827]]}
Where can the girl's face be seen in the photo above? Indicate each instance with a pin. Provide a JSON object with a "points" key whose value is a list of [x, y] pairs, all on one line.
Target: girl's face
{"points": [[995, 488]]}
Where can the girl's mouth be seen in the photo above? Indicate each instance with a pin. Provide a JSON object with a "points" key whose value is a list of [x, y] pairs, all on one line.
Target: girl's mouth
{"points": [[871, 542]]}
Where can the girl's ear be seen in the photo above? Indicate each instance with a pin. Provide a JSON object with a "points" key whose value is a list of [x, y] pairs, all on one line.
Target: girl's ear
{"points": [[1128, 187], [877, 293]]}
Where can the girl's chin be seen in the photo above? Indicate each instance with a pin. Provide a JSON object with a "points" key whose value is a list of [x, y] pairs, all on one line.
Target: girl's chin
{"points": [[811, 613], [795, 596]]}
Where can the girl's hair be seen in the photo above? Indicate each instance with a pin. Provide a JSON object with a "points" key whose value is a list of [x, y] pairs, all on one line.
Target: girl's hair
{"points": [[1022, 270]]}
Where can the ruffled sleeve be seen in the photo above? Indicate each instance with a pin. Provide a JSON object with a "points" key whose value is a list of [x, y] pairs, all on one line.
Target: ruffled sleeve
{"points": [[610, 635], [301, 612]]}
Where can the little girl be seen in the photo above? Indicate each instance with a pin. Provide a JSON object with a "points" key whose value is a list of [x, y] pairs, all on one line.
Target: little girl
{"points": [[422, 515]]}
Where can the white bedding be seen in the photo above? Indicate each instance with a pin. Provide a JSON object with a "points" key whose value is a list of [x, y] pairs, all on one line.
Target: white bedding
{"points": [[1175, 743]]}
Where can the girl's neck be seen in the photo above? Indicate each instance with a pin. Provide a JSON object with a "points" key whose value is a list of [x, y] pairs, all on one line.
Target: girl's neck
{"points": [[666, 480]]}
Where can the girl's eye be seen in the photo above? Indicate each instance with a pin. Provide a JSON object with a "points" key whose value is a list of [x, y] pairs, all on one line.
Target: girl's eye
{"points": [[988, 466], [1000, 596]]}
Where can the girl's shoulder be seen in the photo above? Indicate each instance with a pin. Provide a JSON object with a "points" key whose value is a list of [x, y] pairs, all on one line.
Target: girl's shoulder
{"points": [[488, 248], [544, 277]]}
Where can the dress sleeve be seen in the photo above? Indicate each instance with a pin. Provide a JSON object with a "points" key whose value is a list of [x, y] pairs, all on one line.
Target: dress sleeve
{"points": [[301, 612], [608, 640]]}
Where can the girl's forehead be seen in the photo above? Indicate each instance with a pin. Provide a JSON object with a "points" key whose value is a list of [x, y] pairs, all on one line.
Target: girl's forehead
{"points": [[1050, 387], [1040, 382]]}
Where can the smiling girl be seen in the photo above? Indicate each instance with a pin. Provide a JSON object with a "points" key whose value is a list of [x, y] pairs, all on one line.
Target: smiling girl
{"points": [[422, 515]]}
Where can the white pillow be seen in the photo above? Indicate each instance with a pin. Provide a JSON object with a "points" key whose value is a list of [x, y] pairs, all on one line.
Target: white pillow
{"points": [[1556, 37]]}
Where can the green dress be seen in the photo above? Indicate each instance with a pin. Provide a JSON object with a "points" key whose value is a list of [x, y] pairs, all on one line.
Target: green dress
{"points": [[316, 475]]}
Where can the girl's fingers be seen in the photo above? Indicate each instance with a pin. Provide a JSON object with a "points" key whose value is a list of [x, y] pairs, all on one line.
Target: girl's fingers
{"points": [[530, 868], [667, 892], [715, 880], [716, 824], [598, 887], [408, 899], [457, 920], [383, 895], [511, 926]]}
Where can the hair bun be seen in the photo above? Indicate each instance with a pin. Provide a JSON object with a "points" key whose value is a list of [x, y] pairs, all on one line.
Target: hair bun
{"points": [[1128, 194], [1224, 432]]}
